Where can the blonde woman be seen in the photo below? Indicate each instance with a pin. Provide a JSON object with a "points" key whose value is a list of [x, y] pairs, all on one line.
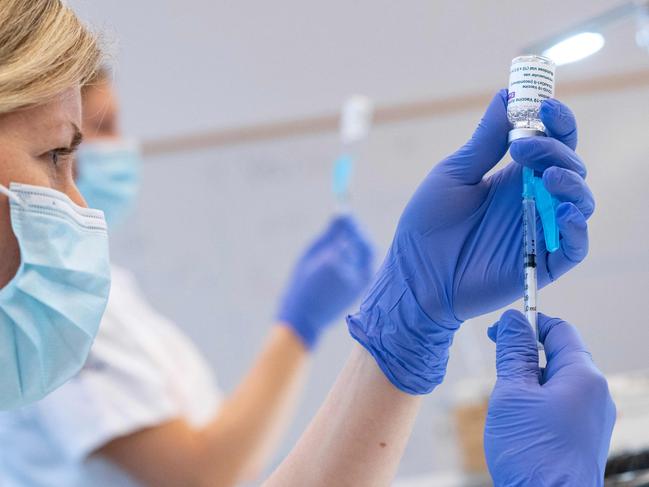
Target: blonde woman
{"points": [[54, 272]]}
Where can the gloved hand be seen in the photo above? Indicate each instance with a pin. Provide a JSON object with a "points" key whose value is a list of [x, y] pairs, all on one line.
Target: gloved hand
{"points": [[457, 251], [547, 427], [328, 278]]}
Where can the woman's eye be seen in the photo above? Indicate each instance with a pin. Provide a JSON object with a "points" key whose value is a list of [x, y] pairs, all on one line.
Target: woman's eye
{"points": [[57, 156]]}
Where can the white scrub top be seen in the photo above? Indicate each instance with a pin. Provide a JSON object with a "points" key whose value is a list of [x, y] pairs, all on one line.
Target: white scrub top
{"points": [[142, 371]]}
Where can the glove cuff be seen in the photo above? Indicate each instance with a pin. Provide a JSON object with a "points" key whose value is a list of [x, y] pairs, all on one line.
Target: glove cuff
{"points": [[302, 329], [410, 348]]}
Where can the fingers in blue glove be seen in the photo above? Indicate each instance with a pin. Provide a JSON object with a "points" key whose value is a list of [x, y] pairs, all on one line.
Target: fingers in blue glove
{"points": [[540, 153], [517, 353], [559, 121], [564, 346], [517, 356], [336, 227], [567, 185], [354, 244], [357, 256], [346, 229], [568, 358], [342, 225], [574, 241], [487, 146]]}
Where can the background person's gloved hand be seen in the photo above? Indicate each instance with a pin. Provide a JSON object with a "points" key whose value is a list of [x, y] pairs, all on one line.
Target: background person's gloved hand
{"points": [[328, 278], [457, 251], [548, 427]]}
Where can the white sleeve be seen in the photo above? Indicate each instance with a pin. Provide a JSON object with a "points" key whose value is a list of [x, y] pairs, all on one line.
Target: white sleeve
{"points": [[121, 389], [101, 405]]}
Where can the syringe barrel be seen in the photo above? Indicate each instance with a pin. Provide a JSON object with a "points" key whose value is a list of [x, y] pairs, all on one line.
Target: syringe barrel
{"points": [[529, 264]]}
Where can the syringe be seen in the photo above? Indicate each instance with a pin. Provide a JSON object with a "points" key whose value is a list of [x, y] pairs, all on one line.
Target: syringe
{"points": [[343, 168], [531, 81], [529, 252], [355, 122]]}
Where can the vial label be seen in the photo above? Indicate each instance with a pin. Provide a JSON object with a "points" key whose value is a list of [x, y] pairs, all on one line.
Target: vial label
{"points": [[529, 84]]}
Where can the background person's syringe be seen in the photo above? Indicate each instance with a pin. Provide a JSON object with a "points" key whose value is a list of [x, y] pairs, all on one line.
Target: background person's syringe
{"points": [[355, 123]]}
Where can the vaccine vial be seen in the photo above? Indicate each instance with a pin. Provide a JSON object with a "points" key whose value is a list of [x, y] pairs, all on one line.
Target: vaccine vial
{"points": [[531, 80]]}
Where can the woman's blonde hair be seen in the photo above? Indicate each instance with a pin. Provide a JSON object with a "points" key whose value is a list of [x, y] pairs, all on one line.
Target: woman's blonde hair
{"points": [[44, 50]]}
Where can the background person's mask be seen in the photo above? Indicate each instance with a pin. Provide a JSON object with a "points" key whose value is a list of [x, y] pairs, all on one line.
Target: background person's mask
{"points": [[108, 176]]}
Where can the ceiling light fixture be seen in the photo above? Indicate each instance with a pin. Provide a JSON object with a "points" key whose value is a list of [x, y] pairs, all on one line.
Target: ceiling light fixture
{"points": [[585, 39], [575, 48]]}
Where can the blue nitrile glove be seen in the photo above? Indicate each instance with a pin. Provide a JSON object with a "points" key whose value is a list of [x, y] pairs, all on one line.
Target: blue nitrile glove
{"points": [[328, 278], [548, 427], [457, 251]]}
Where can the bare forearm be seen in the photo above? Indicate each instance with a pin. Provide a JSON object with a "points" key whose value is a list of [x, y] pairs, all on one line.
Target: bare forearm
{"points": [[358, 436], [250, 423], [222, 453]]}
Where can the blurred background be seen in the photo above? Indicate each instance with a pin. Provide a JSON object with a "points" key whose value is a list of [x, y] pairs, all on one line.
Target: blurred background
{"points": [[227, 206]]}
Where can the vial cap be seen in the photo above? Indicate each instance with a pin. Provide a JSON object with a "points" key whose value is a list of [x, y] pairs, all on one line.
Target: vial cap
{"points": [[356, 118]]}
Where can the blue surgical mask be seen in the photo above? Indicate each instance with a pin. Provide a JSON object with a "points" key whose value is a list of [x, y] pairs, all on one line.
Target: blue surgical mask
{"points": [[109, 177], [50, 311]]}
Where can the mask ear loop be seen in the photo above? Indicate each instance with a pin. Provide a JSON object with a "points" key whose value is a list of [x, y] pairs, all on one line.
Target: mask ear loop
{"points": [[12, 196]]}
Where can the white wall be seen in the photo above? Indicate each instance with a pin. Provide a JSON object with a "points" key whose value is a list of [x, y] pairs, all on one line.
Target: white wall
{"points": [[186, 65]]}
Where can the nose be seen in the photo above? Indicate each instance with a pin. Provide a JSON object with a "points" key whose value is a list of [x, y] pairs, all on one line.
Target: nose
{"points": [[74, 194]]}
